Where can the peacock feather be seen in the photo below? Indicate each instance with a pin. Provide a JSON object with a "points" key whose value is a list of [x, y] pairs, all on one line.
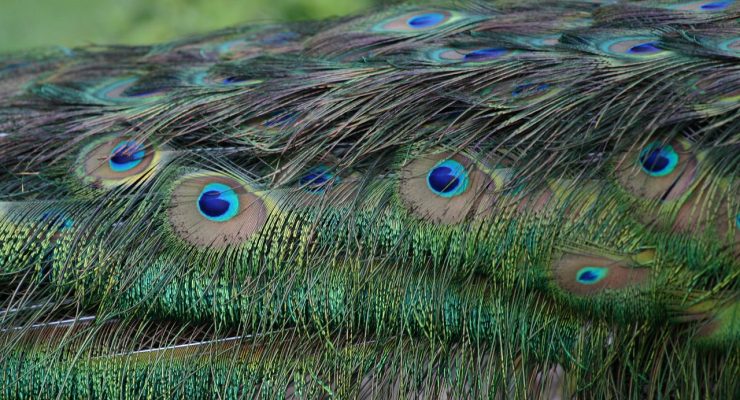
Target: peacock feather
{"points": [[442, 200]]}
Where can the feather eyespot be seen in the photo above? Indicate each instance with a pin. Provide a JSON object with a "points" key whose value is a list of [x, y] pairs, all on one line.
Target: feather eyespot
{"points": [[636, 47], [126, 156], [706, 6], [448, 188], [230, 80], [658, 171], [448, 178], [485, 54], [318, 179], [715, 5], [658, 160], [417, 21], [469, 56], [644, 48], [128, 89], [213, 210], [115, 160], [591, 275], [428, 20], [585, 274]]}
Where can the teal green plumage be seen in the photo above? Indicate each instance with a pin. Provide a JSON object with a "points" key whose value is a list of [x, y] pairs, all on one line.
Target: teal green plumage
{"points": [[472, 200]]}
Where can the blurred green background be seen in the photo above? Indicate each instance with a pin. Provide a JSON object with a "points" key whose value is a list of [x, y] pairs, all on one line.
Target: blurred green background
{"points": [[36, 23]]}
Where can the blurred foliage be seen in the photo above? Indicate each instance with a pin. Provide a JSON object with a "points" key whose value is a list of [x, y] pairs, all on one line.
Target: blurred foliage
{"points": [[36, 23]]}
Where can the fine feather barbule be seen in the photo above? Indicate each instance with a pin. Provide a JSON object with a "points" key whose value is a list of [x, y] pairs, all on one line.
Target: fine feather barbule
{"points": [[474, 199]]}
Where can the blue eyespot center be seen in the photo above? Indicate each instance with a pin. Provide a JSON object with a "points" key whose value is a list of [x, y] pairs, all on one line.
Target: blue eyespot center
{"points": [[485, 54], [218, 202], [716, 5], [447, 178], [212, 205], [427, 20], [737, 221], [126, 155], [658, 160], [235, 79], [318, 179], [644, 48], [591, 275]]}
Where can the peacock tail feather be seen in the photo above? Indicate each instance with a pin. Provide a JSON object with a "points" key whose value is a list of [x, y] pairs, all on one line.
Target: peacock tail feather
{"points": [[443, 200]]}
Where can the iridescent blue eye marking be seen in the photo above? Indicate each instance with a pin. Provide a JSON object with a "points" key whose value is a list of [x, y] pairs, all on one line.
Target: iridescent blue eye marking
{"points": [[235, 79], [658, 160], [318, 179], [126, 155], [447, 178], [644, 48], [717, 5], [485, 54], [634, 47], [218, 202], [591, 275], [737, 221], [427, 20]]}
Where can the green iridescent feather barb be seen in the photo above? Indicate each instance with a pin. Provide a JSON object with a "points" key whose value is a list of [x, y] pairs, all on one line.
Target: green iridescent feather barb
{"points": [[431, 200]]}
